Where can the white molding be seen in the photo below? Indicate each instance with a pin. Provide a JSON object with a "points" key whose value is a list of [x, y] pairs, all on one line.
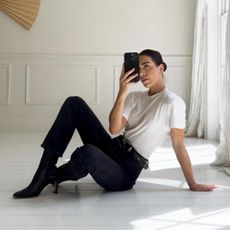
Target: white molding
{"points": [[116, 82], [8, 84], [97, 85], [60, 66], [186, 64], [27, 99]]}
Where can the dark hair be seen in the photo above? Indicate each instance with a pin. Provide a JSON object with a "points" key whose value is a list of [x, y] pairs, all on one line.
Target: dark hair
{"points": [[155, 56]]}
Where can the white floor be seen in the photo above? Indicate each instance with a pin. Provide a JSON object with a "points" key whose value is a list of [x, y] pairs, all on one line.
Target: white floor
{"points": [[160, 199]]}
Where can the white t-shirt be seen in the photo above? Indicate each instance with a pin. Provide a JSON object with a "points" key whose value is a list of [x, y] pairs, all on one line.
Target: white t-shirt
{"points": [[150, 119]]}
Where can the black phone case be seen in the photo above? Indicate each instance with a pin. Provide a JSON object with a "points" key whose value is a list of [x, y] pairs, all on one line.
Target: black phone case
{"points": [[131, 60]]}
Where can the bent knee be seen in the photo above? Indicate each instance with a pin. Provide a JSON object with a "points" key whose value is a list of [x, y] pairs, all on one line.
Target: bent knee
{"points": [[86, 151], [74, 99]]}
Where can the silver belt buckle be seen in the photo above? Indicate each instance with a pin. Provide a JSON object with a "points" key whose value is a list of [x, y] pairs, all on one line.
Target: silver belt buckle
{"points": [[129, 149], [126, 142]]}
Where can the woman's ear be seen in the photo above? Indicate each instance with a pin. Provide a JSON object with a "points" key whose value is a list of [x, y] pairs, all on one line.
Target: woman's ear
{"points": [[161, 67]]}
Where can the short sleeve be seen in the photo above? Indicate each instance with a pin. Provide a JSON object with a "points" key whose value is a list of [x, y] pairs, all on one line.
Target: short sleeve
{"points": [[128, 106], [178, 117]]}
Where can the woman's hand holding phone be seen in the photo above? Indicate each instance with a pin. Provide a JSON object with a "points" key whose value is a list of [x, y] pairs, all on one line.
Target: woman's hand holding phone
{"points": [[126, 80]]}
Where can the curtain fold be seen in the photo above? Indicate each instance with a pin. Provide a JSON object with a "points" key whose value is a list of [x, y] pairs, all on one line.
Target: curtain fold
{"points": [[223, 149], [195, 120]]}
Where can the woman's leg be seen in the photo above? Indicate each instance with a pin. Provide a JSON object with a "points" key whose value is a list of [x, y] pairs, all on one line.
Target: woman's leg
{"points": [[41, 177], [74, 114], [110, 175]]}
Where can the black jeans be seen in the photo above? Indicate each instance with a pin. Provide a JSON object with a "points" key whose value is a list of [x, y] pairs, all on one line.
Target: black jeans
{"points": [[110, 165]]}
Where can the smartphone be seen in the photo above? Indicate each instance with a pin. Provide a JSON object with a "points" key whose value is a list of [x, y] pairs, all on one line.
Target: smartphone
{"points": [[131, 60]]}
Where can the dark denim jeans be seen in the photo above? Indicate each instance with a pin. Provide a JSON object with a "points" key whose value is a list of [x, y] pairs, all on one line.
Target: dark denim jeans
{"points": [[101, 156]]}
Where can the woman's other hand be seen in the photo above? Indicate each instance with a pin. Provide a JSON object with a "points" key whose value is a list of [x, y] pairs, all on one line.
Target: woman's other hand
{"points": [[203, 187]]}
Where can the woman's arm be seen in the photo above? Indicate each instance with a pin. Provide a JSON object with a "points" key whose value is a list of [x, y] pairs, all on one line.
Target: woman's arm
{"points": [[177, 137], [116, 120]]}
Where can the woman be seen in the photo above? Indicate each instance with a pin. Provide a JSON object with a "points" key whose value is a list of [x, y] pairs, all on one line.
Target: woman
{"points": [[115, 163]]}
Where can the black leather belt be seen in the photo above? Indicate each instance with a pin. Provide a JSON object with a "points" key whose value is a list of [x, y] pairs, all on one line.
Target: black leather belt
{"points": [[125, 144]]}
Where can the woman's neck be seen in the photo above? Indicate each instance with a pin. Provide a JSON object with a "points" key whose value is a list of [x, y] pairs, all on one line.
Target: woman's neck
{"points": [[156, 89]]}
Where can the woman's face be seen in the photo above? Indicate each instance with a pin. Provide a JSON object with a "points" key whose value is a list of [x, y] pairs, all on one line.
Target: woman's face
{"points": [[150, 73]]}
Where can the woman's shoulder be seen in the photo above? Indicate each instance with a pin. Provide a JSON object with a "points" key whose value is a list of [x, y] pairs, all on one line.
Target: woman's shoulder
{"points": [[172, 98]]}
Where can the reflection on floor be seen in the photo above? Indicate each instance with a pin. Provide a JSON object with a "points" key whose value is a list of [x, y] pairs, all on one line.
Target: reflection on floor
{"points": [[160, 199]]}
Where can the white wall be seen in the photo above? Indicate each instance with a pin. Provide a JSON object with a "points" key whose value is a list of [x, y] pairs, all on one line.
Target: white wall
{"points": [[75, 47]]}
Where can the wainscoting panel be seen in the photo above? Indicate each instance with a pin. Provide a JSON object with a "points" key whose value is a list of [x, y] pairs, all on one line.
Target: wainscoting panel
{"points": [[5, 76], [49, 84], [34, 86]]}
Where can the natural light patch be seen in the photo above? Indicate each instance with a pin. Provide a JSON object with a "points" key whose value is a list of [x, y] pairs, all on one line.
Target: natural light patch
{"points": [[185, 219], [164, 157], [150, 224], [165, 182], [220, 217], [222, 187], [175, 183], [180, 215]]}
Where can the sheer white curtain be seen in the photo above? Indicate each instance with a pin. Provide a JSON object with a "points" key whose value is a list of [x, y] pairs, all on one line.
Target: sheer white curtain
{"points": [[195, 121], [223, 150]]}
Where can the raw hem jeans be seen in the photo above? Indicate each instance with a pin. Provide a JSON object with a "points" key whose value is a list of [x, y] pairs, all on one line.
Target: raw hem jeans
{"points": [[110, 166]]}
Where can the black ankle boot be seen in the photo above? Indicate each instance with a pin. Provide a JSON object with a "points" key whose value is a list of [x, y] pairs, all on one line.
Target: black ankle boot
{"points": [[64, 173], [42, 177]]}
